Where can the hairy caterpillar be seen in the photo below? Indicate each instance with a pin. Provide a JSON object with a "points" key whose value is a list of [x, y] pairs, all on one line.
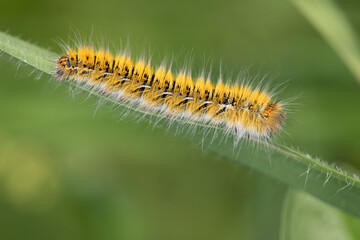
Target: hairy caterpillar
{"points": [[243, 111]]}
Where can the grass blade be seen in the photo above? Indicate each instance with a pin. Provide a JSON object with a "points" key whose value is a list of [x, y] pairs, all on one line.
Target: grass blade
{"points": [[328, 19], [305, 217], [289, 166]]}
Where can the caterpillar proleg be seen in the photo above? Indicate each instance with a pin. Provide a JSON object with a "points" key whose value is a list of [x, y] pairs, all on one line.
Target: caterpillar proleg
{"points": [[244, 112]]}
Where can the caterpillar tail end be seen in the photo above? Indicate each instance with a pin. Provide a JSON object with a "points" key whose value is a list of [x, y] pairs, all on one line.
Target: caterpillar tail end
{"points": [[61, 67]]}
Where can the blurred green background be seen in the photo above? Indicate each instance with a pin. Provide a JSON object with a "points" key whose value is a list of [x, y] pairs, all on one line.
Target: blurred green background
{"points": [[67, 172]]}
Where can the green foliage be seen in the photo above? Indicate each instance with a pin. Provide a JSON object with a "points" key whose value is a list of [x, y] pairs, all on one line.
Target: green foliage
{"points": [[285, 164], [307, 218], [330, 21]]}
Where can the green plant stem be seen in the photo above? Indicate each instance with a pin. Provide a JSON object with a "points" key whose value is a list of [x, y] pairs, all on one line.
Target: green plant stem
{"points": [[289, 166]]}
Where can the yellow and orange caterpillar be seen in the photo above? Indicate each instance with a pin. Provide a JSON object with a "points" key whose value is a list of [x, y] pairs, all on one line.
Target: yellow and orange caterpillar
{"points": [[243, 111]]}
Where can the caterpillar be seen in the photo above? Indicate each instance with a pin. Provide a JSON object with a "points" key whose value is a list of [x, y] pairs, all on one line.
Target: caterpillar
{"points": [[244, 112]]}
